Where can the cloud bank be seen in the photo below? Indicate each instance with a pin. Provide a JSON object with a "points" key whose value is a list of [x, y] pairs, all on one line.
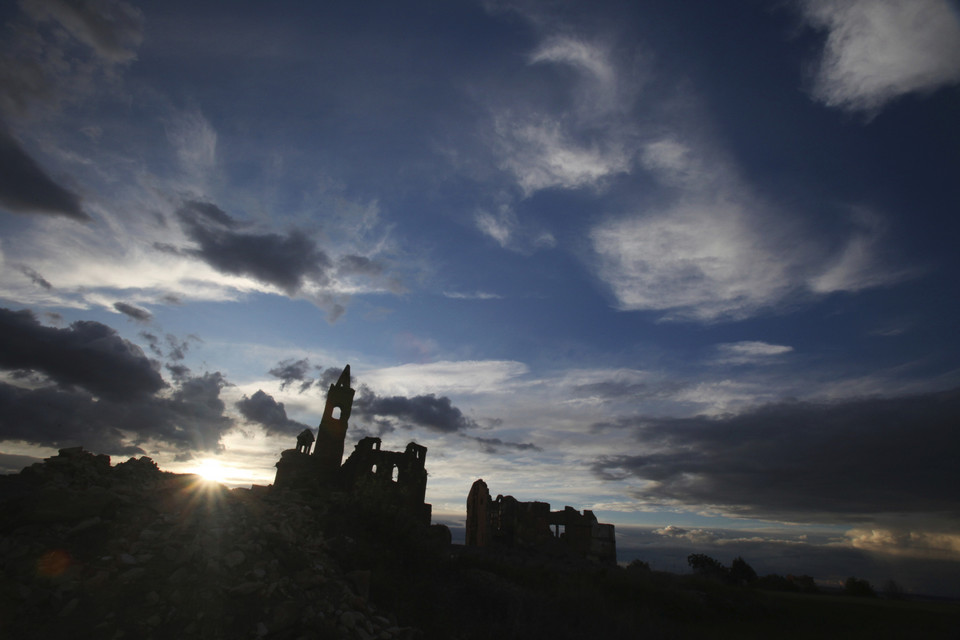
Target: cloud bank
{"points": [[857, 459], [85, 385], [878, 50]]}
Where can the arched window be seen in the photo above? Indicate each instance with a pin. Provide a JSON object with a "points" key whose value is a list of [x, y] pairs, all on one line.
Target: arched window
{"points": [[394, 474], [374, 470], [336, 413]]}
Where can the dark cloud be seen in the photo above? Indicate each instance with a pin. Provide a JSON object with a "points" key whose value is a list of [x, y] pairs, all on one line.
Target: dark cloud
{"points": [[829, 462], [138, 314], [153, 343], [281, 260], [496, 445], [330, 375], [358, 265], [262, 409], [35, 277], [12, 463], [290, 371], [87, 354], [191, 419], [178, 371], [63, 51], [429, 411], [112, 29], [176, 349], [26, 188]]}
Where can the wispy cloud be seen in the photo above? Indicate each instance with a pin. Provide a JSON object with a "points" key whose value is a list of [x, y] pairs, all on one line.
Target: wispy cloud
{"points": [[462, 377], [716, 250], [476, 295], [878, 50], [750, 351]]}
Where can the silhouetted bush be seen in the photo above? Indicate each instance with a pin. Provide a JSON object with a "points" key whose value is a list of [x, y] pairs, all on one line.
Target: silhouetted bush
{"points": [[638, 566], [893, 591], [775, 582], [805, 584], [706, 566], [741, 573], [859, 588]]}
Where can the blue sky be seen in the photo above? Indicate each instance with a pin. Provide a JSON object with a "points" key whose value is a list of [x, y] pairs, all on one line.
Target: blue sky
{"points": [[690, 264]]}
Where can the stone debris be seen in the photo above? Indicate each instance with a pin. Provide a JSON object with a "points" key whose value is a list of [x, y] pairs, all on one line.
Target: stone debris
{"points": [[128, 551]]}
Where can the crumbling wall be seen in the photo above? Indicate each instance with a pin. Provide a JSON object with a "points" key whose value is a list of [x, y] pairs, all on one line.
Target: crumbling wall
{"points": [[398, 477], [507, 522]]}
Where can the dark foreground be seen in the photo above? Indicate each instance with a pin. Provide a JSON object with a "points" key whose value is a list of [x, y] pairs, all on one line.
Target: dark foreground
{"points": [[90, 550]]}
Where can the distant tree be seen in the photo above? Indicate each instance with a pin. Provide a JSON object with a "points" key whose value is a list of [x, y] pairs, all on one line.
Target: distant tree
{"points": [[741, 573], [704, 565], [775, 582], [804, 584], [859, 588], [893, 591], [638, 566]]}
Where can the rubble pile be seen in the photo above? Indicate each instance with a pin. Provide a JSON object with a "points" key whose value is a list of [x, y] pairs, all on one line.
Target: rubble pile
{"points": [[128, 551]]}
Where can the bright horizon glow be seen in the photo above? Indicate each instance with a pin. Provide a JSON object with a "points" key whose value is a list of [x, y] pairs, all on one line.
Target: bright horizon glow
{"points": [[210, 469]]}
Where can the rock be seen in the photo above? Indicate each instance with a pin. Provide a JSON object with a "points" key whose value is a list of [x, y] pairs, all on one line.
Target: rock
{"points": [[234, 558]]}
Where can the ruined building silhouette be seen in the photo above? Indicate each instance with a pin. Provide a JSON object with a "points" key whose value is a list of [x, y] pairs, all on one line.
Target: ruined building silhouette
{"points": [[391, 478], [508, 523]]}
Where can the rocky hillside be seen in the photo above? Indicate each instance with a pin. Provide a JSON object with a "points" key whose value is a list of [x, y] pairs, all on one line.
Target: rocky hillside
{"points": [[128, 551], [90, 550]]}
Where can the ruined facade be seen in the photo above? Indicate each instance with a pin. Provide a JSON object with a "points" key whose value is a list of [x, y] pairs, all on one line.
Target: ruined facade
{"points": [[400, 477], [393, 479], [507, 522]]}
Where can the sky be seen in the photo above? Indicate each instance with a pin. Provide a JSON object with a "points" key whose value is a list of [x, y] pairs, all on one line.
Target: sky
{"points": [[689, 264]]}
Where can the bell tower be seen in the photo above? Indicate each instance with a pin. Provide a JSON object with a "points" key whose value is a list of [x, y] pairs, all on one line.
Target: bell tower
{"points": [[333, 424]]}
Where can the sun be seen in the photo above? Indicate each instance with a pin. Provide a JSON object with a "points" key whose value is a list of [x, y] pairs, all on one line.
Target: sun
{"points": [[211, 469]]}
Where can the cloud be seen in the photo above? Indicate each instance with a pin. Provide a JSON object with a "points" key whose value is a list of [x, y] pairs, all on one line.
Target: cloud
{"points": [[26, 188], [476, 295], [710, 249], [912, 544], [190, 419], [13, 463], [749, 351], [36, 278], [878, 50], [700, 260], [694, 536], [496, 445], [427, 411], [87, 354], [99, 390], [262, 409], [856, 459], [542, 154], [290, 371], [499, 227], [510, 233], [61, 51], [176, 348], [284, 261], [138, 314], [195, 141], [457, 377], [113, 29]]}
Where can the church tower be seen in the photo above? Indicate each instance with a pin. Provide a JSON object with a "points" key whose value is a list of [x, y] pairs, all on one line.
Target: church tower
{"points": [[333, 424]]}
